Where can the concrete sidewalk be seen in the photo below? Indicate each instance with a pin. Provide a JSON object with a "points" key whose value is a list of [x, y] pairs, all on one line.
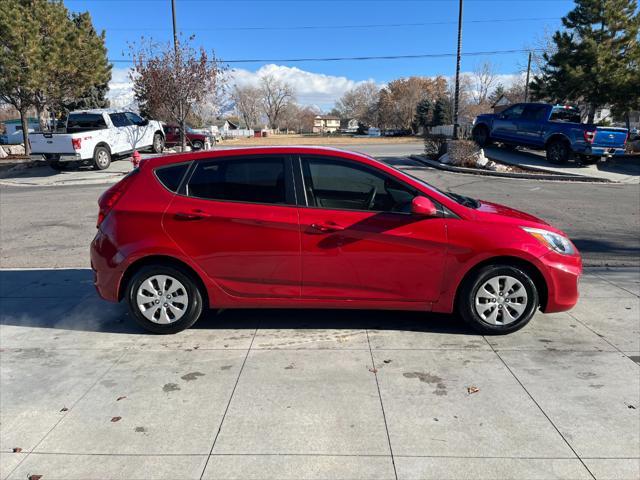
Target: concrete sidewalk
{"points": [[299, 394], [619, 170]]}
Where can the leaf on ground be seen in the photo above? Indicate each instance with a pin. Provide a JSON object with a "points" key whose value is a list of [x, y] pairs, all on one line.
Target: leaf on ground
{"points": [[373, 370], [472, 389], [387, 361], [17, 450], [34, 477], [115, 419], [121, 398], [64, 409]]}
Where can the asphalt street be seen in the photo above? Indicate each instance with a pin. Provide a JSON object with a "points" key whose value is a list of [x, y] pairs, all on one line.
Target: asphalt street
{"points": [[53, 226]]}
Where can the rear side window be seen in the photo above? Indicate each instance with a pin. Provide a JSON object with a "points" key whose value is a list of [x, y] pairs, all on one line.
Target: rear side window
{"points": [[561, 114], [80, 122], [535, 112], [254, 180], [171, 177]]}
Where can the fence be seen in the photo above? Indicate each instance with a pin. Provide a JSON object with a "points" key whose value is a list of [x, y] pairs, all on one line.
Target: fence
{"points": [[239, 133], [464, 131]]}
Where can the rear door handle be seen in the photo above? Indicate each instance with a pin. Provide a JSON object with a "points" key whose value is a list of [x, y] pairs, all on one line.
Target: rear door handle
{"points": [[327, 227], [191, 216]]}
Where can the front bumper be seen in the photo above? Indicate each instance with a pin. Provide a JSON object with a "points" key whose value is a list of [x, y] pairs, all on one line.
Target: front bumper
{"points": [[562, 274]]}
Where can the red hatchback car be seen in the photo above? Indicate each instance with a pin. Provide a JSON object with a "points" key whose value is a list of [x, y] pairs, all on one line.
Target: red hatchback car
{"points": [[300, 227]]}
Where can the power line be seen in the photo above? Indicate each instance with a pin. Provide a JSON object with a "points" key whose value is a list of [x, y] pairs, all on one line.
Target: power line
{"points": [[340, 59], [332, 27]]}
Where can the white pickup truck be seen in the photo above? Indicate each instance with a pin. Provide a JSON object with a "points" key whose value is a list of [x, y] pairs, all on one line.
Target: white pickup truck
{"points": [[96, 136]]}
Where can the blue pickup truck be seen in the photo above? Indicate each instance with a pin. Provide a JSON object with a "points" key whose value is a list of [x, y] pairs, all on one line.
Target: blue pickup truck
{"points": [[554, 128]]}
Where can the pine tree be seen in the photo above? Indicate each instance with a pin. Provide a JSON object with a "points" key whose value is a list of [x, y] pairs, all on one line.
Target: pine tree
{"points": [[423, 111], [596, 57], [441, 113]]}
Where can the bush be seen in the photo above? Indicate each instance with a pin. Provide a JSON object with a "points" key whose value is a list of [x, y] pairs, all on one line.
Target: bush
{"points": [[463, 153], [435, 145]]}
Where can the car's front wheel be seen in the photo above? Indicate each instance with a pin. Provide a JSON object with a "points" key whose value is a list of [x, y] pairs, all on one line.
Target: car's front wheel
{"points": [[164, 299], [481, 136], [498, 299]]}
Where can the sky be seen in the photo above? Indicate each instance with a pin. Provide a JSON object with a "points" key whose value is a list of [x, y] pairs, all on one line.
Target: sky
{"points": [[278, 31]]}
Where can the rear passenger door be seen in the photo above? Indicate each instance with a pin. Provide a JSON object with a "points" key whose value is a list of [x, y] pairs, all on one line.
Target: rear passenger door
{"points": [[236, 217]]}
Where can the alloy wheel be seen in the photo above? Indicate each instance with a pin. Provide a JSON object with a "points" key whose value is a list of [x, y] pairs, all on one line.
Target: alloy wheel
{"points": [[501, 300], [162, 299]]}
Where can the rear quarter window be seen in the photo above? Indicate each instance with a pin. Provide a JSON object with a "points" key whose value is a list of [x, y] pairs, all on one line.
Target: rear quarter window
{"points": [[171, 176]]}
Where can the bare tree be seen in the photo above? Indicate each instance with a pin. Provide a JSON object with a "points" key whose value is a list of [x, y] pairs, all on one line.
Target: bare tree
{"points": [[361, 103], [276, 94], [248, 102], [168, 84], [484, 80]]}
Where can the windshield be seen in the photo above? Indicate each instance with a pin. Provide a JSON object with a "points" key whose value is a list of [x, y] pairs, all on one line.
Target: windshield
{"points": [[456, 197]]}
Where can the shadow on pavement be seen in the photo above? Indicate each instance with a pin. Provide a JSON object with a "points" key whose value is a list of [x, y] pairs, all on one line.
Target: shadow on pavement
{"points": [[630, 250], [66, 300]]}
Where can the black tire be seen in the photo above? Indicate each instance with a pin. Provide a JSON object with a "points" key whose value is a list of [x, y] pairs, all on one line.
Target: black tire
{"points": [[481, 136], [101, 158], [558, 151], [194, 305], [57, 166], [197, 145], [471, 286], [158, 143]]}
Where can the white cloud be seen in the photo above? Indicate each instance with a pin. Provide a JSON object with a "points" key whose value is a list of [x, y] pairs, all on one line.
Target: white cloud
{"points": [[311, 88]]}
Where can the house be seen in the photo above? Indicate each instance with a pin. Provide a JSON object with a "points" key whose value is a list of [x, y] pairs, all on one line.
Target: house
{"points": [[501, 104], [225, 125], [13, 126], [326, 124]]}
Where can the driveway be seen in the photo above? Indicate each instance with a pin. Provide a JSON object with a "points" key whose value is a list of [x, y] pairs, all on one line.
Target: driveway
{"points": [[622, 170], [291, 394]]}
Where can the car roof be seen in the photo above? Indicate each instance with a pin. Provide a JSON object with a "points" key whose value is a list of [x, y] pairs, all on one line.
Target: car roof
{"points": [[265, 150]]}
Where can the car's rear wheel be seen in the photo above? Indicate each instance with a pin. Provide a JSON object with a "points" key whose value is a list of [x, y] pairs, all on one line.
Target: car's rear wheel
{"points": [[101, 158], [558, 151], [481, 135], [498, 299], [164, 299], [197, 145]]}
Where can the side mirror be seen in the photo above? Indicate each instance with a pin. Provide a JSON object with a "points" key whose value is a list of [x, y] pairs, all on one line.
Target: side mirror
{"points": [[423, 207], [145, 122]]}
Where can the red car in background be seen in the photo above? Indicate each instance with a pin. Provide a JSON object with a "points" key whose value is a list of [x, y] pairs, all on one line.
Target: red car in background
{"points": [[196, 140], [319, 228]]}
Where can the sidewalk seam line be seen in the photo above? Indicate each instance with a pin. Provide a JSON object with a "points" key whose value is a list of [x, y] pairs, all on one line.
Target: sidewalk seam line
{"points": [[384, 415], [67, 412], [540, 408], [224, 415]]}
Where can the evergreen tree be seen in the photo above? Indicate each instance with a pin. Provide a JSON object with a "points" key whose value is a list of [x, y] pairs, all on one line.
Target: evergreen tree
{"points": [[497, 93], [441, 113], [423, 111], [596, 57]]}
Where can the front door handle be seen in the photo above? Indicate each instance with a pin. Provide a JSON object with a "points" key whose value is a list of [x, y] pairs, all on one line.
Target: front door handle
{"points": [[191, 216], [327, 227]]}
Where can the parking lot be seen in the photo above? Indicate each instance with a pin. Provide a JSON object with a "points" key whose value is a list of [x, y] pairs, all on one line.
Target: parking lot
{"points": [[316, 394]]}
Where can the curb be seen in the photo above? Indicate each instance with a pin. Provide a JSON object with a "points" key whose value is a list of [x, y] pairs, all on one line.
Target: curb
{"points": [[567, 177]]}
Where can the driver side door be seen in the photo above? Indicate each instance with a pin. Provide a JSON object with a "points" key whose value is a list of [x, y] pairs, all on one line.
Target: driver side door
{"points": [[505, 126], [359, 239]]}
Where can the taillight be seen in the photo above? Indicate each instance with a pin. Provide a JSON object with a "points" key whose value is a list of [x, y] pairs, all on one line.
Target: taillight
{"points": [[76, 143], [589, 135], [109, 198]]}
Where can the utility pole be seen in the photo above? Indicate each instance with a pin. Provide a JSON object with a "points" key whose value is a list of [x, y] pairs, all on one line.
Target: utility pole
{"points": [[456, 101], [175, 32], [526, 87]]}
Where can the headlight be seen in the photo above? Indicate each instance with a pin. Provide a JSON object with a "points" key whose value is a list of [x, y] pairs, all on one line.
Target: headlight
{"points": [[555, 242]]}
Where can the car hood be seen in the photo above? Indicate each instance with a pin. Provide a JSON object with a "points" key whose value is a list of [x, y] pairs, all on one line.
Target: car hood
{"points": [[496, 212]]}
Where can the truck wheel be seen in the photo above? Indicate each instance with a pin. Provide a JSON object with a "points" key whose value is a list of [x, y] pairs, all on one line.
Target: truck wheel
{"points": [[101, 158], [197, 145], [481, 136], [158, 143], [558, 151]]}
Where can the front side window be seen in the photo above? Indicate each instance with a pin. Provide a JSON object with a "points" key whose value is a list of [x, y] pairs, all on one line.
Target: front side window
{"points": [[338, 184], [135, 119], [513, 113], [119, 120], [254, 180]]}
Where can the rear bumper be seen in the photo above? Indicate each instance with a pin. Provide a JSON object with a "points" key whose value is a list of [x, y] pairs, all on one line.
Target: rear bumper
{"points": [[601, 151], [562, 274], [59, 157], [107, 273]]}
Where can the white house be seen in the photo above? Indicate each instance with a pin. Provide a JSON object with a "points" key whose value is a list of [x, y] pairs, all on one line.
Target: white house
{"points": [[326, 124]]}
